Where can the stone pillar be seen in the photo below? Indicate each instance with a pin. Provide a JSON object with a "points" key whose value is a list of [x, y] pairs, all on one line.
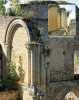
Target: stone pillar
{"points": [[35, 63], [31, 64], [34, 68], [39, 64], [25, 87], [29, 53]]}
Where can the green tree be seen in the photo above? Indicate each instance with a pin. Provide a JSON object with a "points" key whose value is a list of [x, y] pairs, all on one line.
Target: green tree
{"points": [[2, 9], [16, 7]]}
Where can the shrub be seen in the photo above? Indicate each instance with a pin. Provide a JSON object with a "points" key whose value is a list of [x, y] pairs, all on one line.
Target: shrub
{"points": [[12, 75]]}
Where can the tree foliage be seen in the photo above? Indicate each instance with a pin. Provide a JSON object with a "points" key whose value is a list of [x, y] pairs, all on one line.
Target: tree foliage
{"points": [[12, 72], [16, 7], [2, 9]]}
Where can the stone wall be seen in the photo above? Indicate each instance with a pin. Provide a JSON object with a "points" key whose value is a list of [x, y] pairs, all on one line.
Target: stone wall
{"points": [[4, 21], [61, 53], [61, 58]]}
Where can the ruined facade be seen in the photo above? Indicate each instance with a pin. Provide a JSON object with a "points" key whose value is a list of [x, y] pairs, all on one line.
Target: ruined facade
{"points": [[48, 68], [56, 19]]}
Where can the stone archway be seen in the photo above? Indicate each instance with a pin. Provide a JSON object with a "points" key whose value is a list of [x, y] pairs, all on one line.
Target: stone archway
{"points": [[18, 32], [18, 37], [12, 27]]}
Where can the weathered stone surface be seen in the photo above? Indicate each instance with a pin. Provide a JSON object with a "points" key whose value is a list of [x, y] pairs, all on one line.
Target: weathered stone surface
{"points": [[47, 62]]}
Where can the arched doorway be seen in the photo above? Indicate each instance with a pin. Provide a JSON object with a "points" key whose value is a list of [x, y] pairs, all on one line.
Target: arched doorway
{"points": [[16, 38], [19, 53]]}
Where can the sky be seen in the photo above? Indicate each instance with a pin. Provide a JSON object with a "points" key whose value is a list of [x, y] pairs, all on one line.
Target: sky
{"points": [[71, 1], [72, 11], [72, 8], [75, 1]]}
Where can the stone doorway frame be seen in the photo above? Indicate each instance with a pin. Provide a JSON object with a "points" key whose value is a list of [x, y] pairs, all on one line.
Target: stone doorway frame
{"points": [[10, 32]]}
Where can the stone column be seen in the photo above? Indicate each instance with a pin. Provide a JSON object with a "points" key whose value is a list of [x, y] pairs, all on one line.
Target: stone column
{"points": [[36, 64], [26, 87], [39, 64], [31, 67], [34, 68], [29, 53]]}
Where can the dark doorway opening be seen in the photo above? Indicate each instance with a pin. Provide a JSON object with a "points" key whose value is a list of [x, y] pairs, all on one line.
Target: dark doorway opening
{"points": [[1, 63]]}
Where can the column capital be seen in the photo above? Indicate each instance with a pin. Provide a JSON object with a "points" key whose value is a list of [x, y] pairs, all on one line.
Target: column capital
{"points": [[31, 45], [5, 43]]}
